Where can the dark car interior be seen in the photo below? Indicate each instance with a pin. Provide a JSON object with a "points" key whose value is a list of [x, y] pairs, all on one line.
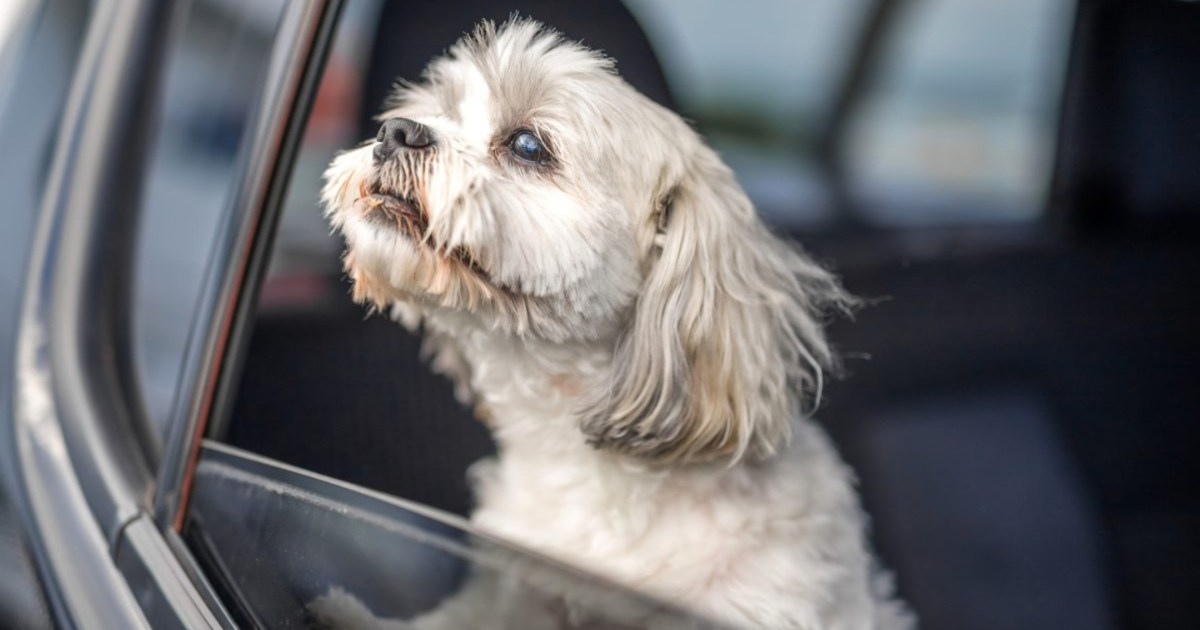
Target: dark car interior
{"points": [[1018, 402]]}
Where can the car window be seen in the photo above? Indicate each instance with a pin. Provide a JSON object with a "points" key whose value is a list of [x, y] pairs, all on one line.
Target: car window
{"points": [[213, 77]]}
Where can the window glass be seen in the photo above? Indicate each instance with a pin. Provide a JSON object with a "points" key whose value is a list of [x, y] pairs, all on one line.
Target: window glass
{"points": [[213, 78], [289, 549], [39, 45], [959, 124]]}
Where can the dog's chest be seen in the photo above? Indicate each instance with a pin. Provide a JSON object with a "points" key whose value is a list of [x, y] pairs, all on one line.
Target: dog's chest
{"points": [[668, 535]]}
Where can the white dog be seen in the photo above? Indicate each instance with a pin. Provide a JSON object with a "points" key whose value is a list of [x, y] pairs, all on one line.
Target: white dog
{"points": [[598, 286]]}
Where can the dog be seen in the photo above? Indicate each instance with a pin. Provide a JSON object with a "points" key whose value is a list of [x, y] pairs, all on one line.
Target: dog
{"points": [[646, 353]]}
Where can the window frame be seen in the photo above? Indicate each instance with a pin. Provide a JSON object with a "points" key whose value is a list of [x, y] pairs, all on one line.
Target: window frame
{"points": [[226, 307], [98, 507]]}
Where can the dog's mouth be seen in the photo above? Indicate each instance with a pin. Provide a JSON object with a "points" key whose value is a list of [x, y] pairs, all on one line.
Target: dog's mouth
{"points": [[405, 215]]}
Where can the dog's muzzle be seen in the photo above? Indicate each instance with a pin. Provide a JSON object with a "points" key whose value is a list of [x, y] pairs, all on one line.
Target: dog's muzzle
{"points": [[398, 134]]}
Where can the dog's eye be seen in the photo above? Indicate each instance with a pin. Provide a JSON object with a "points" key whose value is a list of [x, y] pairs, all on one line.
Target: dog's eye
{"points": [[528, 147]]}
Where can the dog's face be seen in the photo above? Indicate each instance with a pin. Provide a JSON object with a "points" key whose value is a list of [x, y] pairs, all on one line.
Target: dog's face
{"points": [[510, 184], [524, 186]]}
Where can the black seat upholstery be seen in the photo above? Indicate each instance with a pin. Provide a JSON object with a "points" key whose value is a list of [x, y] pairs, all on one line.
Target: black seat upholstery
{"points": [[338, 393], [1130, 141]]}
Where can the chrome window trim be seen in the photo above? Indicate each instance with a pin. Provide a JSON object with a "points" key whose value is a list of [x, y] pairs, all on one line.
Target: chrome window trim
{"points": [[226, 304]]}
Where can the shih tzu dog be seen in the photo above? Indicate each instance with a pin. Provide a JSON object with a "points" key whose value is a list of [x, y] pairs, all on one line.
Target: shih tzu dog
{"points": [[598, 286]]}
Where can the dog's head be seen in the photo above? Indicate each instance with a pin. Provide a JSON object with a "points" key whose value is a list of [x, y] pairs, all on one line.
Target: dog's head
{"points": [[524, 185]]}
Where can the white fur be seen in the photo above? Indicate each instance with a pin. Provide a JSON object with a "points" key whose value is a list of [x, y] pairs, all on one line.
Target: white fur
{"points": [[639, 343]]}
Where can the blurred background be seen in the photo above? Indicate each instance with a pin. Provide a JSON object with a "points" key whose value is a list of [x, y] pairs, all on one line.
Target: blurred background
{"points": [[1012, 185]]}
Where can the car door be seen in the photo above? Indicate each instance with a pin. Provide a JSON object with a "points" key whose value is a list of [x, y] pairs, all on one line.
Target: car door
{"points": [[39, 48]]}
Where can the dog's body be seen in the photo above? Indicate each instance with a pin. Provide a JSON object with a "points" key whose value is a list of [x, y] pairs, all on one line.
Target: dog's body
{"points": [[592, 278]]}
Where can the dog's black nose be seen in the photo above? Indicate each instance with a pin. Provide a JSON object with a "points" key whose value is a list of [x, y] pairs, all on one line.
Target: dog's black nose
{"points": [[401, 133]]}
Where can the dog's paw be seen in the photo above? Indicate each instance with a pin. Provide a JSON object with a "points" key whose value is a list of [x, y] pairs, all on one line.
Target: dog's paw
{"points": [[339, 610]]}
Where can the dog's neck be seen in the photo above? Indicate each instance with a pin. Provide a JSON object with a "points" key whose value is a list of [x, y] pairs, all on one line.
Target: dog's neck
{"points": [[529, 392]]}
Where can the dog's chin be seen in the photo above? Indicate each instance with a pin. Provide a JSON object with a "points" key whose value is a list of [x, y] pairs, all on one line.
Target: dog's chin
{"points": [[391, 258], [390, 216]]}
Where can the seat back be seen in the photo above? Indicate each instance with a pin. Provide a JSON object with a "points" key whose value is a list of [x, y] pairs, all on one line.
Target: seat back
{"points": [[1129, 150]]}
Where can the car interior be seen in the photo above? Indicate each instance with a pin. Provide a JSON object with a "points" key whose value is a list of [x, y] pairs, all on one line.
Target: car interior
{"points": [[1017, 401]]}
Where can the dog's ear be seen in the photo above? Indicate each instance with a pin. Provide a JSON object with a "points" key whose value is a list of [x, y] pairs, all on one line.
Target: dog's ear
{"points": [[725, 343]]}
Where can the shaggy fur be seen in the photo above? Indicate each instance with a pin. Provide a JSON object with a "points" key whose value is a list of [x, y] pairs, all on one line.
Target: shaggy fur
{"points": [[643, 349]]}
